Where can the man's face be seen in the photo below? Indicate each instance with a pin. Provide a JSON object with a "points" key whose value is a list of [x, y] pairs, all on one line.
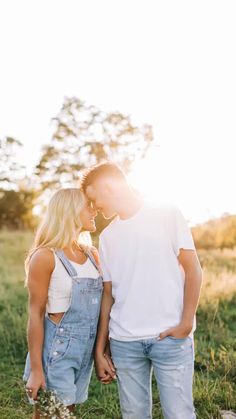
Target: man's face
{"points": [[100, 198]]}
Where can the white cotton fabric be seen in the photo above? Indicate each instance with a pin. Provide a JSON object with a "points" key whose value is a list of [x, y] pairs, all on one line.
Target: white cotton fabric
{"points": [[139, 256], [60, 287]]}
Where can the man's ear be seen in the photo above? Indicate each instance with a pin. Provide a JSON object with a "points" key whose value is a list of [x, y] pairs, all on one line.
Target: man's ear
{"points": [[88, 189], [108, 188]]}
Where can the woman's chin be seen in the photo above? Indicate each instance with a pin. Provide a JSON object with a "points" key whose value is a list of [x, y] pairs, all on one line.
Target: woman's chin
{"points": [[90, 228]]}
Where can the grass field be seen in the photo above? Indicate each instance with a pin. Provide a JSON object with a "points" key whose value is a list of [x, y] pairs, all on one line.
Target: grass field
{"points": [[215, 339]]}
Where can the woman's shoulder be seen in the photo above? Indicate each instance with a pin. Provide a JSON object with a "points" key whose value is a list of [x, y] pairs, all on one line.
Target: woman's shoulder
{"points": [[42, 256]]}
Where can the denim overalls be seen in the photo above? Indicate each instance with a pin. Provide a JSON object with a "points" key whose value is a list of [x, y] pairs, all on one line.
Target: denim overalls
{"points": [[68, 346]]}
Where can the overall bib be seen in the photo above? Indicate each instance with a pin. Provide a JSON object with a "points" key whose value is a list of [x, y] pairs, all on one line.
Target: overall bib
{"points": [[68, 346]]}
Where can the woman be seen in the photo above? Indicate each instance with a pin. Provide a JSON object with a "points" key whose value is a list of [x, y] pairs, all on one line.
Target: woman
{"points": [[65, 287]]}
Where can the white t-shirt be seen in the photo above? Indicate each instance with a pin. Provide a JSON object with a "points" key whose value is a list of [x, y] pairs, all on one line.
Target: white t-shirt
{"points": [[139, 256]]}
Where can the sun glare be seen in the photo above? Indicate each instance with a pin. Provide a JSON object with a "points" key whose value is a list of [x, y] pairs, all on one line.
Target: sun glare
{"points": [[161, 178], [153, 178]]}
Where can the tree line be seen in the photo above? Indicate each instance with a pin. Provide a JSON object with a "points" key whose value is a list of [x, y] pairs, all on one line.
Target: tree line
{"points": [[83, 135], [216, 233]]}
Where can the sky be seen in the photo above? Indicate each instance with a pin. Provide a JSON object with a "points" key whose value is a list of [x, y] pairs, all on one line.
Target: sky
{"points": [[171, 64]]}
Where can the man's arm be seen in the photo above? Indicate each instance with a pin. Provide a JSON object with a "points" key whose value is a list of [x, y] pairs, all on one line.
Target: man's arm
{"points": [[104, 368], [193, 280]]}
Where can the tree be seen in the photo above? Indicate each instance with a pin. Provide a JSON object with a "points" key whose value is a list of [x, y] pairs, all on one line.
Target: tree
{"points": [[16, 209], [17, 196], [83, 136], [10, 169], [216, 233]]}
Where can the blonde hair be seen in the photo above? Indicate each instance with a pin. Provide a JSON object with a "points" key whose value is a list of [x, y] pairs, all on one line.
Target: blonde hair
{"points": [[61, 226]]}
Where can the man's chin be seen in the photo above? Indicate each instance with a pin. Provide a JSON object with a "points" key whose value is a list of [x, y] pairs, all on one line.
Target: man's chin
{"points": [[107, 216]]}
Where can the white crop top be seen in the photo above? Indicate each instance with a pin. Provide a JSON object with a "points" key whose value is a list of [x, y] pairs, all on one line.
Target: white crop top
{"points": [[60, 287]]}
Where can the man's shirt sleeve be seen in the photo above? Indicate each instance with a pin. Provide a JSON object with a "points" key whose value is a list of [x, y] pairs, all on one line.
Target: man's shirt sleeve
{"points": [[103, 260], [181, 237]]}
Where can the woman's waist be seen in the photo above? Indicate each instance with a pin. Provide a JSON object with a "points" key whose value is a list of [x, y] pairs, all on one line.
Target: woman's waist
{"points": [[69, 328]]}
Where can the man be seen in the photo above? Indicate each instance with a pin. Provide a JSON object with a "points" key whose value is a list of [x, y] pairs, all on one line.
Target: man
{"points": [[152, 280]]}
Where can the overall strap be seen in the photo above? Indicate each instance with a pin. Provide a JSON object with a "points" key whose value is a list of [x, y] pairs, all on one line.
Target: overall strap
{"points": [[90, 255], [66, 263]]}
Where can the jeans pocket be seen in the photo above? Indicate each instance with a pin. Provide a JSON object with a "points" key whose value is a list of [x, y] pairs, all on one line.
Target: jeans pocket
{"points": [[177, 339]]}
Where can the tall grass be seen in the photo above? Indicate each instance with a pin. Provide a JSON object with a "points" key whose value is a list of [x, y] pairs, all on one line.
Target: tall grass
{"points": [[215, 339]]}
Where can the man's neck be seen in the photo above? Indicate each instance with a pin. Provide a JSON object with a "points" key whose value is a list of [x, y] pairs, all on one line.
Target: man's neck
{"points": [[132, 204]]}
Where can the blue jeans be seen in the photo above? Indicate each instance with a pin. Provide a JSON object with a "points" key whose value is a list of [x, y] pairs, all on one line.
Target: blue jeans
{"points": [[172, 361]]}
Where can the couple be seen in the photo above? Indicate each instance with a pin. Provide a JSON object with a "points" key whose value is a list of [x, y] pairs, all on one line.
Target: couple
{"points": [[144, 291]]}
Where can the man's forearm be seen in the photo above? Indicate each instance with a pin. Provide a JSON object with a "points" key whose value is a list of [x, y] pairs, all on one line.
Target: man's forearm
{"points": [[193, 281]]}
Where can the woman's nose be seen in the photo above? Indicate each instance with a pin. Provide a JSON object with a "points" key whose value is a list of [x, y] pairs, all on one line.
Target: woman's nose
{"points": [[93, 211]]}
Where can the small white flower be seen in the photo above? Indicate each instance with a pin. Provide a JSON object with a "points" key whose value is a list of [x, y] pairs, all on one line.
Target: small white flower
{"points": [[50, 405]]}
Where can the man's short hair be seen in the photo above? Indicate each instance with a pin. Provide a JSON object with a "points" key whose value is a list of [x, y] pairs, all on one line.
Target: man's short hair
{"points": [[107, 169]]}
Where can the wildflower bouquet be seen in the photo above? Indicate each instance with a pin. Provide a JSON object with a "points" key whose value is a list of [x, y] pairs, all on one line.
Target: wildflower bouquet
{"points": [[52, 408]]}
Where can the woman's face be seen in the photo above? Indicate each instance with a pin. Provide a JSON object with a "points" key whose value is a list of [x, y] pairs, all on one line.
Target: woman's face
{"points": [[87, 216]]}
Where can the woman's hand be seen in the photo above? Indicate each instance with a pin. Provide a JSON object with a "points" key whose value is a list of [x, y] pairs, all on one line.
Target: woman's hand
{"points": [[35, 382], [105, 370], [108, 357]]}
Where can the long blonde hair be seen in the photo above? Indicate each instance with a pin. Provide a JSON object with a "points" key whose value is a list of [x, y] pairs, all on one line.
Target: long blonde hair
{"points": [[61, 226]]}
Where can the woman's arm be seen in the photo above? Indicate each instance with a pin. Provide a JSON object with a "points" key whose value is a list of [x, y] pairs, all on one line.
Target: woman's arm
{"points": [[40, 270]]}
